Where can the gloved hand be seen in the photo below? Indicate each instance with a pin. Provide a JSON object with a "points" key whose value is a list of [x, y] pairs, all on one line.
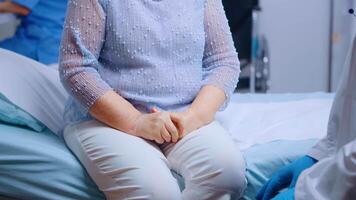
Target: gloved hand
{"points": [[288, 175], [286, 195]]}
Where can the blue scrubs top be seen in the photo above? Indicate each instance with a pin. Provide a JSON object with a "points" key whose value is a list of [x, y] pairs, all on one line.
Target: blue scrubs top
{"points": [[39, 34]]}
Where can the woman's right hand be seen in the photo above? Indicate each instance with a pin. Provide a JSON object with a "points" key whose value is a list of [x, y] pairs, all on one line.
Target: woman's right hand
{"points": [[155, 126]]}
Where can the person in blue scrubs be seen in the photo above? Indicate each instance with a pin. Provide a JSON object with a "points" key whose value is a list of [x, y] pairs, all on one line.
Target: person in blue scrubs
{"points": [[38, 36]]}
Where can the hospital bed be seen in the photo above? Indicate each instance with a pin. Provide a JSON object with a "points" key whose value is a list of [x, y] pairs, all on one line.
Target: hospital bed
{"points": [[270, 129]]}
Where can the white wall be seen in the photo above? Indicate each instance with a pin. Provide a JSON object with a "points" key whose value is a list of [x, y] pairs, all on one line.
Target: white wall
{"points": [[298, 34]]}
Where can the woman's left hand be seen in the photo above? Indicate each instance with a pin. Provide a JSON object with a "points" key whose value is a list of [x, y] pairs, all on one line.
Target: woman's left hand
{"points": [[186, 121]]}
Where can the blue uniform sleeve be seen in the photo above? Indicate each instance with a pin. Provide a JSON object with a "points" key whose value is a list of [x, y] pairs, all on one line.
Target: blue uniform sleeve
{"points": [[30, 4]]}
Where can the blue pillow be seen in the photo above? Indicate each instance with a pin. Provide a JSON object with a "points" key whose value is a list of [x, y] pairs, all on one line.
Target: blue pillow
{"points": [[12, 114]]}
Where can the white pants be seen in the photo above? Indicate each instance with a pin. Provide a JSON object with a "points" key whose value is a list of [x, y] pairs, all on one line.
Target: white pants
{"points": [[128, 167]]}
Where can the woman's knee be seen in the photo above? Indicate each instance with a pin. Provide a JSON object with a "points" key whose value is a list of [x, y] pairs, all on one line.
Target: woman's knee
{"points": [[123, 166], [145, 184], [161, 187], [232, 174], [222, 175], [228, 161], [227, 172]]}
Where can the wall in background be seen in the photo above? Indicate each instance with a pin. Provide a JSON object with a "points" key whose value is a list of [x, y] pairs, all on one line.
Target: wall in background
{"points": [[298, 34]]}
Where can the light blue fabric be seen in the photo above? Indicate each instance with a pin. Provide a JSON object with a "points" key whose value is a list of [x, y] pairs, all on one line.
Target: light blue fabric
{"points": [[39, 166], [39, 33], [12, 114]]}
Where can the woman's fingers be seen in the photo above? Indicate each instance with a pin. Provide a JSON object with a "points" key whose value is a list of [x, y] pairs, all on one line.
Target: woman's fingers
{"points": [[156, 130], [170, 127], [165, 134], [172, 130], [177, 120]]}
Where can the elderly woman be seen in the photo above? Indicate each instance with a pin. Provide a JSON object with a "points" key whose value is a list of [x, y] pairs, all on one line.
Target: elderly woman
{"points": [[146, 79]]}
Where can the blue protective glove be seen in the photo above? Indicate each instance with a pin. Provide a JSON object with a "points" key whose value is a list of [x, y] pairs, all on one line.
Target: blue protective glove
{"points": [[286, 195], [286, 176]]}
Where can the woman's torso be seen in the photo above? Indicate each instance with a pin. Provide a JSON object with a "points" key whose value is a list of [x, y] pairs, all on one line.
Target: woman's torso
{"points": [[152, 54]]}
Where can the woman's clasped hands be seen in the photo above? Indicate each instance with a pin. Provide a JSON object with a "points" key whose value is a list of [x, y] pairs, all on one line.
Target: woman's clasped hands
{"points": [[164, 126]]}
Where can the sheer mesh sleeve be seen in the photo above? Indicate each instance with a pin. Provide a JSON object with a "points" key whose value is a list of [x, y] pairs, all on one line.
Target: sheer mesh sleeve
{"points": [[82, 40], [221, 66]]}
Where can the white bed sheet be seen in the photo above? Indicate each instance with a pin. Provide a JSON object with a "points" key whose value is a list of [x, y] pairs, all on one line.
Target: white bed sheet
{"points": [[258, 119]]}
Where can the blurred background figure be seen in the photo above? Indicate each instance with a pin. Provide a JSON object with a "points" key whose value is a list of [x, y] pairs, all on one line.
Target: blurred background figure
{"points": [[38, 35]]}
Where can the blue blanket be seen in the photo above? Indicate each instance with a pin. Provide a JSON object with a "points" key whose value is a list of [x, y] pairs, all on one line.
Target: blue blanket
{"points": [[39, 166]]}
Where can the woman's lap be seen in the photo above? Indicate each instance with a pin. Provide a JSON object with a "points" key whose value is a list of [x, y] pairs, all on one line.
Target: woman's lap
{"points": [[207, 158], [123, 165], [120, 164]]}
